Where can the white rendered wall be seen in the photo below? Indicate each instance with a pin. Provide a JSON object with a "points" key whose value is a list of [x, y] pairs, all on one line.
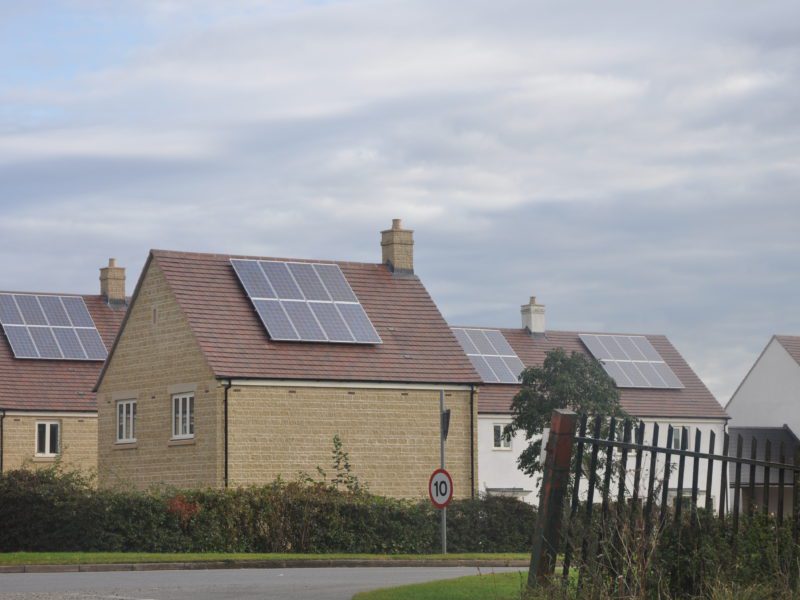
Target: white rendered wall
{"points": [[769, 396], [497, 468]]}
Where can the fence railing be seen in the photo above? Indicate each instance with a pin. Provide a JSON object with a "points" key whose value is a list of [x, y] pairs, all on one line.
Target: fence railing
{"points": [[614, 466]]}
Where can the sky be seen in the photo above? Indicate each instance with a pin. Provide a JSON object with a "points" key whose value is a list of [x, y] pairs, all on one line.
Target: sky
{"points": [[635, 165]]}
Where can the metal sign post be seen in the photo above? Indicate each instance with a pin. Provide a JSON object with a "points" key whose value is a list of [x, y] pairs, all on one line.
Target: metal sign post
{"points": [[442, 435], [440, 485]]}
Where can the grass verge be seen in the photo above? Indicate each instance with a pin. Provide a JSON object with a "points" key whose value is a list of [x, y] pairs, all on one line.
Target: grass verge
{"points": [[78, 558], [492, 586]]}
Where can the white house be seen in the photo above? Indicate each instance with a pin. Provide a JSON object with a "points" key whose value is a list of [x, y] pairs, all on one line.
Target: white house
{"points": [[766, 406], [769, 395], [656, 386]]}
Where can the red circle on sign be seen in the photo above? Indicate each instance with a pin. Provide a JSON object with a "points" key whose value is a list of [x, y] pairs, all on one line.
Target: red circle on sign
{"points": [[442, 494]]}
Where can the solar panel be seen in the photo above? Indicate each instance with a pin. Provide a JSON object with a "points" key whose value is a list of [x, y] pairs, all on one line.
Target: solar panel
{"points": [[359, 323], [631, 361], [304, 321], [93, 343], [21, 342], [490, 353], [305, 302], [71, 346], [253, 279], [275, 320], [50, 327], [332, 322]]}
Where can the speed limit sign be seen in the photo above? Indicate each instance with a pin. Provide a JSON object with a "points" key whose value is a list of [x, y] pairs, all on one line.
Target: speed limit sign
{"points": [[440, 488]]}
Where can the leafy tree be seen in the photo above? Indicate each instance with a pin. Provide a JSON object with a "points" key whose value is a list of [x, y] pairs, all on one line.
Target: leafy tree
{"points": [[572, 381]]}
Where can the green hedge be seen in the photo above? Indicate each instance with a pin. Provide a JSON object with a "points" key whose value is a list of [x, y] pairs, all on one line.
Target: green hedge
{"points": [[52, 511]]}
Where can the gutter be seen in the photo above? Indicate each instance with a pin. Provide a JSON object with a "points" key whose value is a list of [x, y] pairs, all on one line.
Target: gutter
{"points": [[227, 387], [2, 437], [473, 440]]}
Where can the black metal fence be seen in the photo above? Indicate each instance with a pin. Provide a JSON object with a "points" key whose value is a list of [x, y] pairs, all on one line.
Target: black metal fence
{"points": [[612, 467]]}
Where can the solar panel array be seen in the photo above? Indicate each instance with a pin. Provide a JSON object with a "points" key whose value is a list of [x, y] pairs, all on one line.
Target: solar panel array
{"points": [[50, 327], [490, 353], [631, 361], [305, 302]]}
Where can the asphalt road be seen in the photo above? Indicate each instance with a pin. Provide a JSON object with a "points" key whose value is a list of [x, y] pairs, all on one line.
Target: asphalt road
{"points": [[233, 584]]}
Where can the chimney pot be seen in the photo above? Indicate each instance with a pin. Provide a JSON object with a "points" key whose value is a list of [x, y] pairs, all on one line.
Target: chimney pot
{"points": [[397, 248], [112, 283], [533, 316]]}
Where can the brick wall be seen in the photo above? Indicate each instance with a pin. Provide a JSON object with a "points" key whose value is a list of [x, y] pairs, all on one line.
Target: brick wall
{"points": [[78, 441], [392, 436], [155, 355]]}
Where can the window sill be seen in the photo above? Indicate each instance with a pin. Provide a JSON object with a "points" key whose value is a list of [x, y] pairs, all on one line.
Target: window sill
{"points": [[181, 442], [126, 445], [502, 449], [45, 459]]}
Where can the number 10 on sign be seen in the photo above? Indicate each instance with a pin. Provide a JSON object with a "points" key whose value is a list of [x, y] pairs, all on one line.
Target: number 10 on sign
{"points": [[440, 488]]}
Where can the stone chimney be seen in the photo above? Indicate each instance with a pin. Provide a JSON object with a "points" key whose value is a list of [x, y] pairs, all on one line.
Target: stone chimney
{"points": [[112, 282], [533, 316], [397, 245]]}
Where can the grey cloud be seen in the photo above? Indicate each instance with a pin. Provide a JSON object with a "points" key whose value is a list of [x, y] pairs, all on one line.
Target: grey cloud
{"points": [[634, 164]]}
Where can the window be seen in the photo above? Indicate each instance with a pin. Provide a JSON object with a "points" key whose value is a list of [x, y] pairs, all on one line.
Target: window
{"points": [[126, 421], [501, 441], [183, 416], [48, 438], [677, 432]]}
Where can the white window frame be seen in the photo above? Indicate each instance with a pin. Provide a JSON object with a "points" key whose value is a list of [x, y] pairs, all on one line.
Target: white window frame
{"points": [[677, 432], [126, 420], [505, 443], [182, 416], [48, 453]]}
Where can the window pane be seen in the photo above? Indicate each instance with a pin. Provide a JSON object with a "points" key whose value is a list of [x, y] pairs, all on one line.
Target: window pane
{"points": [[41, 438], [191, 415], [133, 422], [497, 436], [120, 424], [185, 416], [176, 420], [54, 449]]}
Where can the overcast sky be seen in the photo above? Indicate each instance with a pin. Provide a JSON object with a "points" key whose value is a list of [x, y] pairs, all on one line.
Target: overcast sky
{"points": [[635, 165]]}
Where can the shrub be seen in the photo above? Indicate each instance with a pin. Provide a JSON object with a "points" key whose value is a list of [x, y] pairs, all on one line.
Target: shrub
{"points": [[50, 510]]}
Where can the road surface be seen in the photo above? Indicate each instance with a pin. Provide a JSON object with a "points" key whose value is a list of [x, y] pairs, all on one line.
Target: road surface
{"points": [[223, 584]]}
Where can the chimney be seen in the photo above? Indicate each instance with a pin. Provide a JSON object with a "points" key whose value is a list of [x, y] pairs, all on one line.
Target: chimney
{"points": [[112, 282], [397, 245], [533, 316]]}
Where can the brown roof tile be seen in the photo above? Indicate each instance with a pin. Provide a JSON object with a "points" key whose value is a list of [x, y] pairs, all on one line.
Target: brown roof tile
{"points": [[792, 345], [418, 345], [693, 401], [56, 385]]}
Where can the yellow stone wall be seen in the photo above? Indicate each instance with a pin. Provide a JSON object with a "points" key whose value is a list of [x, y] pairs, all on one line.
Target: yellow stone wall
{"points": [[156, 356], [78, 441], [391, 435]]}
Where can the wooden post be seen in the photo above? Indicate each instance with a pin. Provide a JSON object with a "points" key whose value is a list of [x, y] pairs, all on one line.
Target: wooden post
{"points": [[554, 484]]}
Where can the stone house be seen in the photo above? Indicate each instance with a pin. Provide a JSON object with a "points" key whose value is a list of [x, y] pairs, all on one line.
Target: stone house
{"points": [[52, 351], [239, 370], [656, 385]]}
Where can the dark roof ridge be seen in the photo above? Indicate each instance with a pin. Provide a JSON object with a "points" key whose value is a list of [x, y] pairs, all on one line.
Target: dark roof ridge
{"points": [[576, 331], [223, 255], [51, 293]]}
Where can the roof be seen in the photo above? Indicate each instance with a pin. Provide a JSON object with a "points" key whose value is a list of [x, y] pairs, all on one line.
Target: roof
{"points": [[776, 436], [418, 345], [57, 385], [694, 400], [792, 345]]}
